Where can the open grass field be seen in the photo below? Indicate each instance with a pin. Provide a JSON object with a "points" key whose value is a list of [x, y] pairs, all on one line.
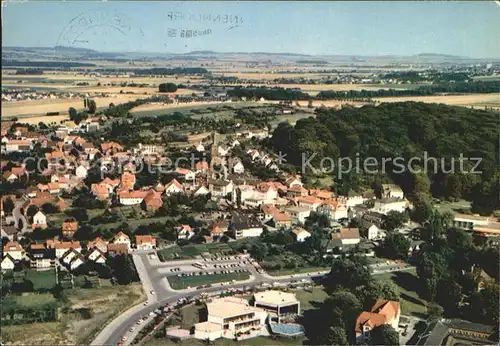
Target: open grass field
{"points": [[409, 287], [179, 283], [296, 271], [87, 311], [33, 300], [45, 279]]}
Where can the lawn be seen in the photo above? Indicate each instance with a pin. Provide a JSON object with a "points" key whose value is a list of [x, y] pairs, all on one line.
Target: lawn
{"points": [[45, 279], [308, 300], [178, 283], [409, 286], [33, 300]]}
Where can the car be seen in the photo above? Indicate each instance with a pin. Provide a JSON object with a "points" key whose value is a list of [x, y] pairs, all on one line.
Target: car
{"points": [[131, 329], [152, 292], [146, 303], [152, 313], [139, 321], [124, 338]]}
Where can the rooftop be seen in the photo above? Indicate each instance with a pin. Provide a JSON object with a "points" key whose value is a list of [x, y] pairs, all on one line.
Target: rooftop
{"points": [[273, 297]]}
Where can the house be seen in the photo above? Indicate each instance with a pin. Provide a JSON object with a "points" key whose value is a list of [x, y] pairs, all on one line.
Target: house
{"points": [[278, 304], [14, 249], [386, 205], [97, 256], [41, 258], [238, 167], [382, 312], [300, 234], [8, 263], [185, 174], [62, 247], [184, 232], [223, 150], [201, 167], [469, 222], [220, 188], [371, 218], [293, 181], [298, 214], [81, 171], [228, 317], [296, 191], [39, 221], [99, 244], [200, 148], [309, 202], [460, 332], [132, 197], [245, 225], [282, 220], [122, 238], [152, 201], [333, 210], [373, 232], [117, 249], [347, 236], [145, 242], [201, 191], [111, 147], [173, 187], [127, 181], [70, 257], [69, 227], [18, 145], [392, 191], [322, 194], [218, 228]]}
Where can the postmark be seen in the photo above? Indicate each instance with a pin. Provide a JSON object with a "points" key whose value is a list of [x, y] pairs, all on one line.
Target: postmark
{"points": [[98, 28]]}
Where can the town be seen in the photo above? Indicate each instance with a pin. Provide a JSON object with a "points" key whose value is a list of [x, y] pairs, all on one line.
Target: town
{"points": [[247, 199]]}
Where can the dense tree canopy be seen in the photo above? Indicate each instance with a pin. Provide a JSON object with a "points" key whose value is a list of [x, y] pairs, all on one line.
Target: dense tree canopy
{"points": [[435, 135]]}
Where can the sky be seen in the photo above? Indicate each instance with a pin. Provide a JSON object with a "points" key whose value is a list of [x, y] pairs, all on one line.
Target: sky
{"points": [[317, 28]]}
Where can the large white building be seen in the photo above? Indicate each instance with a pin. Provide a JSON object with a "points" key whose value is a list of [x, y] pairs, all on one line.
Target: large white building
{"points": [[246, 225], [278, 304], [230, 318], [386, 205]]}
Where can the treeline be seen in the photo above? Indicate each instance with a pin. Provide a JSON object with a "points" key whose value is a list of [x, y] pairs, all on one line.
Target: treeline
{"points": [[472, 88], [32, 71], [436, 77], [268, 93], [62, 64], [157, 71], [407, 130]]}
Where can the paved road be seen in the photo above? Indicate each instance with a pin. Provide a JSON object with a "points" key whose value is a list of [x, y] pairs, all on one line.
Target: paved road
{"points": [[153, 277]]}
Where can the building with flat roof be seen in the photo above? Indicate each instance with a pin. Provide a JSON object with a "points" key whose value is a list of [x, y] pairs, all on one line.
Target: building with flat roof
{"points": [[231, 318], [278, 304]]}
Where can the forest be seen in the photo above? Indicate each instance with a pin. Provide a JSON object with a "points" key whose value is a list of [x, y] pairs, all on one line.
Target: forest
{"points": [[405, 130], [461, 87]]}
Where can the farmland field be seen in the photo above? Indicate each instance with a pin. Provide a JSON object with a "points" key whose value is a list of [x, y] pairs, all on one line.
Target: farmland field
{"points": [[492, 100]]}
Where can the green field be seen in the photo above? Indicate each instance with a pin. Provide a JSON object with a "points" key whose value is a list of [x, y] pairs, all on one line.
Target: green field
{"points": [[408, 285], [179, 283], [45, 279], [31, 301]]}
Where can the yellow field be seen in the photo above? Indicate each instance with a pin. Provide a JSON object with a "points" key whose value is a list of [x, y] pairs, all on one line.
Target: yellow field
{"points": [[39, 107], [492, 100]]}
